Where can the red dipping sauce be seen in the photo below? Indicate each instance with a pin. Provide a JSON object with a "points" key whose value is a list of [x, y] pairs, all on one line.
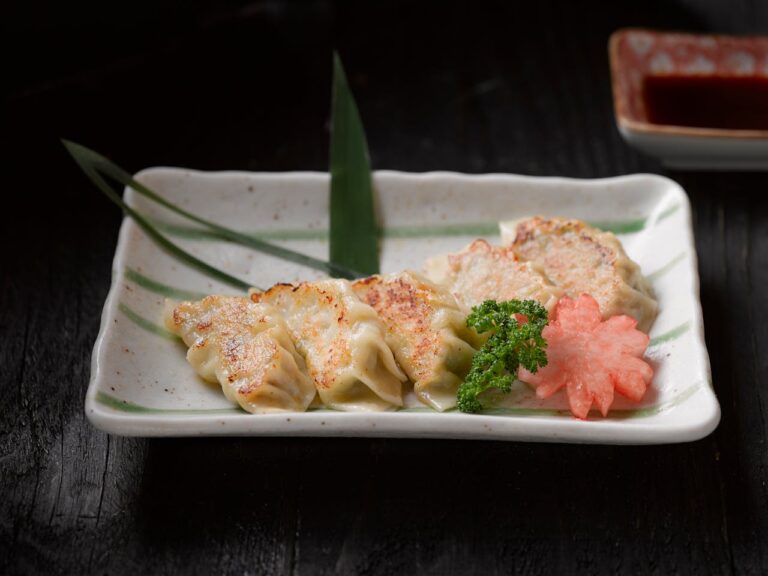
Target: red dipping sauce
{"points": [[703, 101]]}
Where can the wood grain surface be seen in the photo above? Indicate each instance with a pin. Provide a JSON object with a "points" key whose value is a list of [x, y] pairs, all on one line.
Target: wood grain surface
{"points": [[470, 86]]}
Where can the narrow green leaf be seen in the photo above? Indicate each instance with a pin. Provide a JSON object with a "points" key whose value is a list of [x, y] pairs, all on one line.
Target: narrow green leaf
{"points": [[353, 234], [159, 288], [84, 160], [99, 163]]}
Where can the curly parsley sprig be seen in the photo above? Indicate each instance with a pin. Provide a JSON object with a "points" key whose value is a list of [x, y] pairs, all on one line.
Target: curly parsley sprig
{"points": [[512, 344]]}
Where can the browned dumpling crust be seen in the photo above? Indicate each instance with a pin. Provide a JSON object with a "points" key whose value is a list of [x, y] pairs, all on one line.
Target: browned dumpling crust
{"points": [[426, 330], [581, 259], [342, 341], [483, 272], [246, 348]]}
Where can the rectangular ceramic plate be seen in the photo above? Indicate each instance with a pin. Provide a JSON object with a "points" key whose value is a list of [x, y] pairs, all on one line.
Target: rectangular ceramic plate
{"points": [[142, 385]]}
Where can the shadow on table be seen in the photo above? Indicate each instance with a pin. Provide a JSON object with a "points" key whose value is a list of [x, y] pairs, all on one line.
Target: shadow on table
{"points": [[353, 504]]}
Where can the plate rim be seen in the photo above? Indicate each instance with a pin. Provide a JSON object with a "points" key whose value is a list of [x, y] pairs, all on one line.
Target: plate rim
{"points": [[410, 425]]}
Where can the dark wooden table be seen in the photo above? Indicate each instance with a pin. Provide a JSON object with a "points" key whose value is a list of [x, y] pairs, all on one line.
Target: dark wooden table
{"points": [[473, 87]]}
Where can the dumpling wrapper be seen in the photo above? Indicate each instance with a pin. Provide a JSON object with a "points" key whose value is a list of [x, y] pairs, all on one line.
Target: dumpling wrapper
{"points": [[426, 330], [581, 259], [246, 348], [342, 341], [482, 272]]}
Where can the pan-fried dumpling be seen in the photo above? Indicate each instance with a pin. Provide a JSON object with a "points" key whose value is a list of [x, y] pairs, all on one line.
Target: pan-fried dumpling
{"points": [[246, 348], [426, 330], [581, 259], [483, 272], [342, 341]]}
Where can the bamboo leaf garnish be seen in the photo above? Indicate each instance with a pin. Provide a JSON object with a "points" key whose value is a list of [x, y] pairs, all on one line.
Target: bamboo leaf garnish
{"points": [[87, 166], [353, 232], [98, 163]]}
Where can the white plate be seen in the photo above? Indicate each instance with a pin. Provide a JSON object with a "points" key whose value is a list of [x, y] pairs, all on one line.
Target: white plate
{"points": [[141, 384]]}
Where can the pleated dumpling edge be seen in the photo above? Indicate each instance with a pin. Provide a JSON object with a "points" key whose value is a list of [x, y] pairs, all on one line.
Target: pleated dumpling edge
{"points": [[246, 348]]}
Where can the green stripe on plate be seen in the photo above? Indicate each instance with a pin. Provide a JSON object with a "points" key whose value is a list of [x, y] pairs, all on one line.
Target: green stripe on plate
{"points": [[626, 227], [420, 231], [196, 233], [618, 414], [441, 230], [160, 288], [679, 399], [125, 406], [501, 411], [667, 213], [145, 324], [666, 268], [407, 231], [670, 335]]}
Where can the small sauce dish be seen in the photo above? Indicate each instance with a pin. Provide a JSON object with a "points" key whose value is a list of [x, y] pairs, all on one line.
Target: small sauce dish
{"points": [[694, 101]]}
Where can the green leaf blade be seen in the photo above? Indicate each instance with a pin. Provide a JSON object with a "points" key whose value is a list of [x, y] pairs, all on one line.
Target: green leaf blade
{"points": [[85, 160], [99, 163], [94, 164], [353, 231]]}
